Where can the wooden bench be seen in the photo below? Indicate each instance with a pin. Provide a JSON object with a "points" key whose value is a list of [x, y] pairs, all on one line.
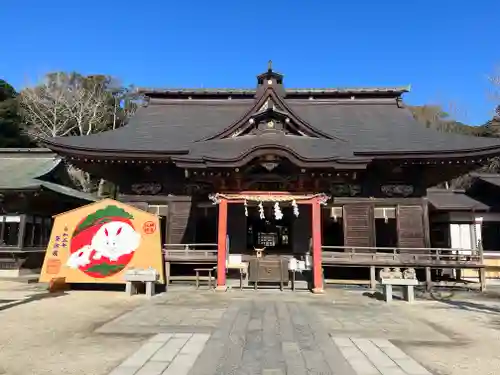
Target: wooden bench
{"points": [[209, 272], [133, 277]]}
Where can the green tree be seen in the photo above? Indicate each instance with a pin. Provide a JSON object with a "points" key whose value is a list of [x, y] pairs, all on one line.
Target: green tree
{"points": [[11, 132], [492, 127], [434, 117]]}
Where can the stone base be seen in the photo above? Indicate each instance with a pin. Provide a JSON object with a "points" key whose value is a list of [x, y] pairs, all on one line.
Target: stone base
{"points": [[221, 288], [318, 291], [19, 272], [12, 273]]}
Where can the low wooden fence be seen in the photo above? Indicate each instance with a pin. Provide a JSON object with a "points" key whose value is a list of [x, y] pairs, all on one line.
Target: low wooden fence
{"points": [[428, 259], [190, 252], [398, 256], [201, 253]]}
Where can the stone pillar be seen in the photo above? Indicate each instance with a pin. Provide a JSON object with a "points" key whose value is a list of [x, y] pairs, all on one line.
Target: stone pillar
{"points": [[221, 245], [316, 248]]}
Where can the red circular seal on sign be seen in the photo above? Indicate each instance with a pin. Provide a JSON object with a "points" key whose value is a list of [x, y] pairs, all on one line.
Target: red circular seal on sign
{"points": [[149, 227]]}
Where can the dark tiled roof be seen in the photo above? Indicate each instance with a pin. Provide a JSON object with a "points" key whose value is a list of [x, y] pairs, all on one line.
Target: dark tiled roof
{"points": [[169, 126], [450, 200], [382, 127]]}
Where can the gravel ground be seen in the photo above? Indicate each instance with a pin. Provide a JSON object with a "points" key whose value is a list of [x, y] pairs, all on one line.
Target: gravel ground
{"points": [[473, 323], [55, 335]]}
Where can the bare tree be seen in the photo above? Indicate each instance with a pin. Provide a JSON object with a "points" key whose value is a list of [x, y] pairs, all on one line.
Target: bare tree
{"points": [[65, 105], [45, 111]]}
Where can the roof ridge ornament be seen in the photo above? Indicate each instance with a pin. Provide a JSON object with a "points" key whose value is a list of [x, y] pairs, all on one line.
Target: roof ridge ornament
{"points": [[270, 66]]}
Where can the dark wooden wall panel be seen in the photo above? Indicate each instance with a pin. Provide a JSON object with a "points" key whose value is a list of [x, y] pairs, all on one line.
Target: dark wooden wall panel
{"points": [[206, 224], [411, 228], [358, 225], [236, 228], [301, 230], [181, 225]]}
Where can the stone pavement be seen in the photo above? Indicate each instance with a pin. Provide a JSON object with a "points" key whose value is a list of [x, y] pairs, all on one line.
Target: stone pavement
{"points": [[270, 333]]}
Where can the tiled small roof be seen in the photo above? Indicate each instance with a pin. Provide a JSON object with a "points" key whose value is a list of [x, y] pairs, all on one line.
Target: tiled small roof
{"points": [[26, 169], [21, 168], [453, 200]]}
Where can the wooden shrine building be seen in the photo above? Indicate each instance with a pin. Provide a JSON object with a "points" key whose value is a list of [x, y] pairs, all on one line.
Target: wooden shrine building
{"points": [[34, 186], [340, 173], [463, 219]]}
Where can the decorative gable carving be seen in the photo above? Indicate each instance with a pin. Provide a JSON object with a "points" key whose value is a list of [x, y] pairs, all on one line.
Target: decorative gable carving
{"points": [[270, 104], [270, 113], [265, 107], [269, 122]]}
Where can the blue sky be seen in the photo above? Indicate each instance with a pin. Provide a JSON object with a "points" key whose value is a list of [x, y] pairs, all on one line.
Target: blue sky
{"points": [[443, 48]]}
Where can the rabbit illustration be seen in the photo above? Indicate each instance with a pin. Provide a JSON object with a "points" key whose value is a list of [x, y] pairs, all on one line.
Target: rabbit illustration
{"points": [[80, 258], [115, 239]]}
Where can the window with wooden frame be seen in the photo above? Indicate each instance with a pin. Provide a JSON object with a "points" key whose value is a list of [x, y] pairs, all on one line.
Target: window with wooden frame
{"points": [[37, 230], [10, 226]]}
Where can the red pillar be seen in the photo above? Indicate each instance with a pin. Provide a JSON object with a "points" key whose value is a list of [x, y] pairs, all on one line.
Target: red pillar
{"points": [[316, 248], [221, 245]]}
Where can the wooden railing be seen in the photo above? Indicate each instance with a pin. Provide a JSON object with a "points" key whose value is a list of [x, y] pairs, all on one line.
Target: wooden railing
{"points": [[201, 251], [377, 256], [401, 256]]}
